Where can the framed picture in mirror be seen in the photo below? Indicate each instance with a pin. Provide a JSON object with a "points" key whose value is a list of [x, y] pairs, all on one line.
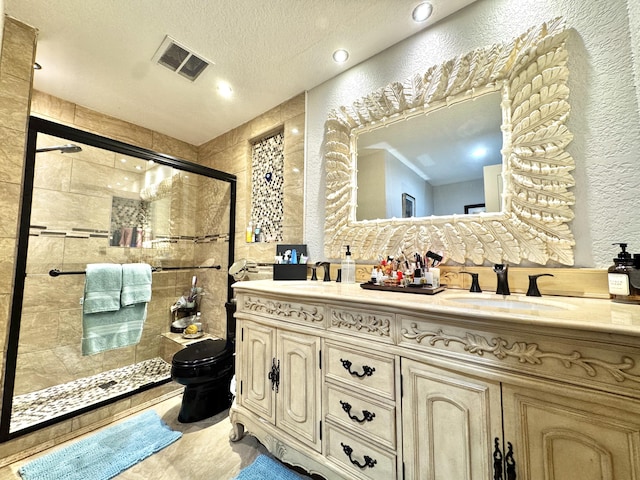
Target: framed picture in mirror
{"points": [[408, 206], [476, 208]]}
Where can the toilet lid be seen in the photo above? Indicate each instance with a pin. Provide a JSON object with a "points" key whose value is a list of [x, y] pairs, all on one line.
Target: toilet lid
{"points": [[201, 352]]}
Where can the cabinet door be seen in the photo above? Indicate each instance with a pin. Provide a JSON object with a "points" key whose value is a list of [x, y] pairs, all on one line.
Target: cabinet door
{"points": [[574, 437], [258, 354], [298, 399], [449, 423]]}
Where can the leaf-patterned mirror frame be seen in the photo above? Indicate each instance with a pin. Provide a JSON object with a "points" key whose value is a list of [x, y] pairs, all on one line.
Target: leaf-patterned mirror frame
{"points": [[531, 72]]}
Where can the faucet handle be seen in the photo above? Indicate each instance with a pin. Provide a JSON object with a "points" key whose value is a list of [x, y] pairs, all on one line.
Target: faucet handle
{"points": [[475, 285], [533, 284], [502, 270]]}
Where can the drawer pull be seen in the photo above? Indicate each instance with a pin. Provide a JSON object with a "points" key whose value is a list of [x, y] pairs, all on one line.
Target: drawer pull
{"points": [[367, 371], [367, 416], [368, 461]]}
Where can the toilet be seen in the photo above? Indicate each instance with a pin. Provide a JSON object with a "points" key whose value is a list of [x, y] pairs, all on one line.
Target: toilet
{"points": [[205, 368]]}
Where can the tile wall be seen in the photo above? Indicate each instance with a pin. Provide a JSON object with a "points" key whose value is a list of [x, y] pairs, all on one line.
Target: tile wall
{"points": [[16, 70], [232, 152]]}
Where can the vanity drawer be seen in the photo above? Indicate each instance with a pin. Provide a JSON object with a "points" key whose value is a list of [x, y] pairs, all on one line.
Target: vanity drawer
{"points": [[360, 457], [364, 371], [371, 419], [307, 314]]}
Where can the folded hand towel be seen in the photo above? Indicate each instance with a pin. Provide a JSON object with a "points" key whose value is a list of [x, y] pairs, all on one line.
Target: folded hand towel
{"points": [[103, 284], [136, 284]]}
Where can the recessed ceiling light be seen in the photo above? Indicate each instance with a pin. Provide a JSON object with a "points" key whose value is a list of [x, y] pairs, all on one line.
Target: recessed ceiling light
{"points": [[295, 131], [422, 12], [37, 66], [340, 55], [225, 90], [479, 152]]}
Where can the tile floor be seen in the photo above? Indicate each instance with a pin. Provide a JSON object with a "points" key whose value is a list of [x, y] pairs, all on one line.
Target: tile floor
{"points": [[203, 453], [53, 402]]}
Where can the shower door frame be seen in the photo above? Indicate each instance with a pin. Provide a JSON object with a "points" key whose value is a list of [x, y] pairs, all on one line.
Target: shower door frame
{"points": [[39, 125]]}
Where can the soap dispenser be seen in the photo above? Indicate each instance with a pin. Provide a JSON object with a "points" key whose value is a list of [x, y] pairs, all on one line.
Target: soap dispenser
{"points": [[348, 267], [624, 278]]}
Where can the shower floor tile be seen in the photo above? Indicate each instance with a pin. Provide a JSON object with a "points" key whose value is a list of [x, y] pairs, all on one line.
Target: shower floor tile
{"points": [[43, 405]]}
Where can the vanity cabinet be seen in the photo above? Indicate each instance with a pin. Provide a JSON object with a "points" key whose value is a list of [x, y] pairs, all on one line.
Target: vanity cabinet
{"points": [[573, 435], [280, 379], [450, 422], [379, 387]]}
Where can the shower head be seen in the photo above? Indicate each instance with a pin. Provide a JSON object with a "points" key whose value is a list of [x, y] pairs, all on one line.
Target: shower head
{"points": [[68, 148]]}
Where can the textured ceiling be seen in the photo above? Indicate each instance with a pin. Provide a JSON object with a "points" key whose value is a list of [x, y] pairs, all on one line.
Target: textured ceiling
{"points": [[98, 54]]}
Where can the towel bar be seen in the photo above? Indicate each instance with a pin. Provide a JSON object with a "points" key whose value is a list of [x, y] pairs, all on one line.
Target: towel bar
{"points": [[55, 272]]}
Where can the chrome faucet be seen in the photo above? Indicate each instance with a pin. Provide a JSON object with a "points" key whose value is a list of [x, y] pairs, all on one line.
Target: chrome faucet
{"points": [[502, 272]]}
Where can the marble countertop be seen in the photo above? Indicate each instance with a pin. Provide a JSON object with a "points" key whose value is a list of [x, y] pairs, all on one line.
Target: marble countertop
{"points": [[585, 314]]}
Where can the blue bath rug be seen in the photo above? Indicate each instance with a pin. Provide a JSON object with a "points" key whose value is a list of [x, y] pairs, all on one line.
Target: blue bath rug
{"points": [[266, 468], [105, 454]]}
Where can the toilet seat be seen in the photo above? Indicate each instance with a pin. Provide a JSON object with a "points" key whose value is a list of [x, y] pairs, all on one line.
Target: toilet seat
{"points": [[203, 362], [200, 353]]}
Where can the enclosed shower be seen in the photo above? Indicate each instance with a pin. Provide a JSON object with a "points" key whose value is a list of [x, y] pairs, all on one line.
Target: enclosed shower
{"points": [[88, 199]]}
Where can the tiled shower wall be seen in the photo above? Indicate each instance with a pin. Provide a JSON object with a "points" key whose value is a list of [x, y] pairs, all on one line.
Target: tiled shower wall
{"points": [[73, 209]]}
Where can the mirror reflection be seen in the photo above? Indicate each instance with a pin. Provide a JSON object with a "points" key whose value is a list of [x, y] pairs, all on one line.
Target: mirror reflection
{"points": [[141, 205], [445, 162]]}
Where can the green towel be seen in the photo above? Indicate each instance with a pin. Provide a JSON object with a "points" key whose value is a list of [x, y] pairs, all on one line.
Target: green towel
{"points": [[103, 284], [136, 284], [108, 330]]}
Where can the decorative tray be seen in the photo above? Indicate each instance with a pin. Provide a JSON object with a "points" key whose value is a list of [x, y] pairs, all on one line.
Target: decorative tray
{"points": [[420, 290], [192, 335]]}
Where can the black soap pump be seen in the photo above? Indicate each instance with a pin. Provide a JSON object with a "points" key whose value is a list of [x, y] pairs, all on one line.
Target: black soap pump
{"points": [[624, 278]]}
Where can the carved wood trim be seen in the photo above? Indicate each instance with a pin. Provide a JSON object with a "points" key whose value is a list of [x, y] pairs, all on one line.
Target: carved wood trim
{"points": [[368, 323], [286, 310], [532, 74], [529, 353]]}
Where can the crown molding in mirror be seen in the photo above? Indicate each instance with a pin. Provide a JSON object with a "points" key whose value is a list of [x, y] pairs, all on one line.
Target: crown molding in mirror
{"points": [[531, 72]]}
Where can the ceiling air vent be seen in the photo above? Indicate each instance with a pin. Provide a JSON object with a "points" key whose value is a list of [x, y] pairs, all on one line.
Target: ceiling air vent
{"points": [[179, 59]]}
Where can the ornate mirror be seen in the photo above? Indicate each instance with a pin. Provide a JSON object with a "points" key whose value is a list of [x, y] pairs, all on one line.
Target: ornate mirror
{"points": [[530, 74]]}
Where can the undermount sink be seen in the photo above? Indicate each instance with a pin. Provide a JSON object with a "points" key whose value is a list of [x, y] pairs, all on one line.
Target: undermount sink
{"points": [[510, 303]]}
